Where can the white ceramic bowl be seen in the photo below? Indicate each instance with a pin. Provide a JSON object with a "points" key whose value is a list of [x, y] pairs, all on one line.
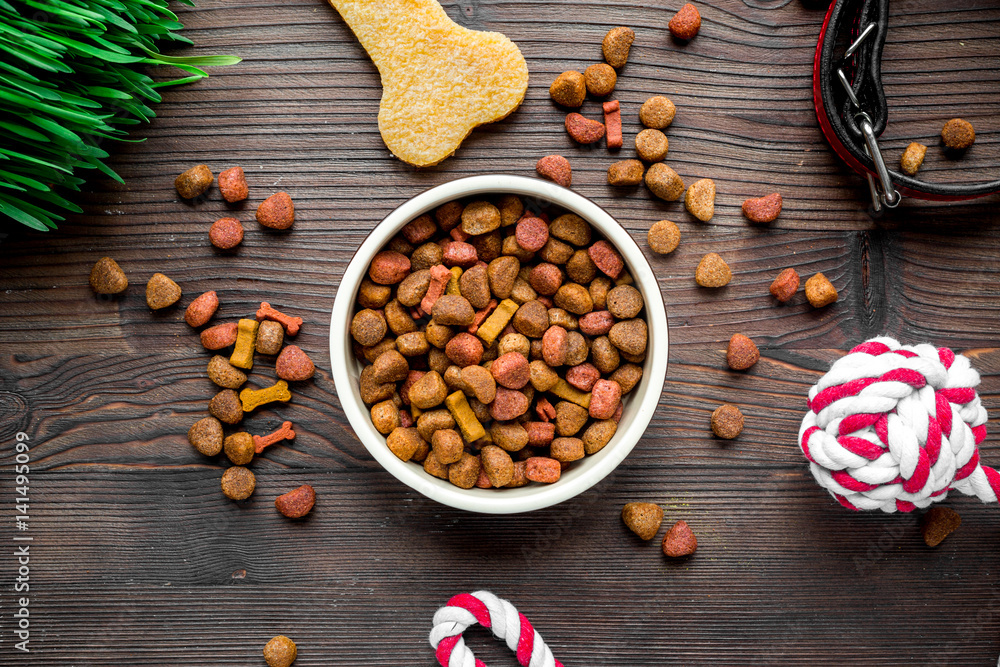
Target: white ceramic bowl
{"points": [[639, 403]]}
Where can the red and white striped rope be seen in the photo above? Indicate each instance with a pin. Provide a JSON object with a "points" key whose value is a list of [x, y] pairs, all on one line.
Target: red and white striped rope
{"points": [[895, 427], [506, 622]]}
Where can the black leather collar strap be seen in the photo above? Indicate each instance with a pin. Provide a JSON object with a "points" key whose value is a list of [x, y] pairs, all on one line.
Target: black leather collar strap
{"points": [[836, 113]]}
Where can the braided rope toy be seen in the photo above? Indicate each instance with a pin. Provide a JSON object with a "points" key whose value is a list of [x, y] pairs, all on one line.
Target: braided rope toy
{"points": [[895, 427], [506, 622]]}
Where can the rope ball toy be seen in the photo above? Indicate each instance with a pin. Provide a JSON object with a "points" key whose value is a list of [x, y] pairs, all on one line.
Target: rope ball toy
{"points": [[895, 427], [506, 622]]}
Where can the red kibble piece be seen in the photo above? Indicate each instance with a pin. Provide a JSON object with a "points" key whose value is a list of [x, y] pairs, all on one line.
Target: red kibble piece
{"points": [[686, 23], [277, 211], [233, 184], [458, 253], [606, 258], [613, 123], [531, 233], [596, 323], [481, 316], [226, 233], [419, 229], [484, 480], [294, 365], [540, 434], [439, 281], [545, 410], [295, 505], [604, 399], [389, 268], [405, 418], [291, 324], [511, 370], [508, 404], [556, 169], [411, 379], [763, 209], [262, 442], [785, 285], [219, 336], [583, 376], [543, 469], [464, 349], [201, 309], [546, 279], [583, 130]]}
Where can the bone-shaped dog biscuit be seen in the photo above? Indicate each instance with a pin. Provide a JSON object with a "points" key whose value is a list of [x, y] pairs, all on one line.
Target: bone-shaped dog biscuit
{"points": [[439, 80]]}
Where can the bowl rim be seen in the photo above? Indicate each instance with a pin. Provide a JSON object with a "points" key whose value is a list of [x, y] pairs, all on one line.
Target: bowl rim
{"points": [[532, 497]]}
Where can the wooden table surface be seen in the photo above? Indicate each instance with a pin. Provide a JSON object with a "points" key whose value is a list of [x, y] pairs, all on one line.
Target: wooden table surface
{"points": [[137, 559]]}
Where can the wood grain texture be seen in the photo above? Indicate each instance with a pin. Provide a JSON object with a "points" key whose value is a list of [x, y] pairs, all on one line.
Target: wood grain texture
{"points": [[138, 559]]}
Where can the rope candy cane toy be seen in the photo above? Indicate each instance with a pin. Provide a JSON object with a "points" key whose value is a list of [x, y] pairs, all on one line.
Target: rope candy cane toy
{"points": [[489, 611], [895, 427]]}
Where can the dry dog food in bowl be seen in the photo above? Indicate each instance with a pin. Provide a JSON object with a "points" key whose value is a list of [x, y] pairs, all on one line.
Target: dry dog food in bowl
{"points": [[499, 343]]}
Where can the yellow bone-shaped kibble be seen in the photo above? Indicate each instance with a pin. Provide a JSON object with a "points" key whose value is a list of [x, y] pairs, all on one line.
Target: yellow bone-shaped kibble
{"points": [[254, 398], [470, 427], [568, 392], [439, 80], [495, 323], [452, 286], [246, 343]]}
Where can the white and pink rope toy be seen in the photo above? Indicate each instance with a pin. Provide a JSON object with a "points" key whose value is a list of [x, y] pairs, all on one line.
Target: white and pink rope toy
{"points": [[491, 612], [895, 427]]}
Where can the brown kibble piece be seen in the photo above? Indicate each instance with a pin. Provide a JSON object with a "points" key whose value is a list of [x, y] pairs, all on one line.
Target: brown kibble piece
{"points": [[270, 337], [194, 181], [480, 217], [625, 173], [233, 184], [107, 277], [556, 169], [616, 46], [447, 445], [385, 417], [498, 465], [785, 285], [686, 23], [664, 182], [464, 472], [627, 376], [571, 228], [277, 211], [741, 353], [912, 158], [643, 519], [226, 407], [403, 442], [938, 523], [162, 292], [679, 541], [583, 130], [958, 134], [375, 296], [281, 651], [238, 483], [601, 79], [294, 365], [599, 434], [663, 237], [727, 421], [219, 336], [657, 112], [205, 435], [226, 233], [200, 310], [239, 448], [820, 291], [573, 298], [295, 505], [700, 199], [651, 145], [629, 336], [453, 310], [713, 271], [419, 229], [624, 302], [429, 391], [222, 373], [569, 89], [763, 209], [368, 327], [570, 418]]}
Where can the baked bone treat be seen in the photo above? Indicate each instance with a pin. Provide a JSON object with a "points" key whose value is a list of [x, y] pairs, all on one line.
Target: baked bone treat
{"points": [[439, 80]]}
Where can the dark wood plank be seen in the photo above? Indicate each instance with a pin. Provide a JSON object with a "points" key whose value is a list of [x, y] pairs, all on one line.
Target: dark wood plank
{"points": [[138, 559]]}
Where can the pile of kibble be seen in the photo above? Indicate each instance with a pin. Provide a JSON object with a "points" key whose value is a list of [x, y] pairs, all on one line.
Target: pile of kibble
{"points": [[499, 342]]}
